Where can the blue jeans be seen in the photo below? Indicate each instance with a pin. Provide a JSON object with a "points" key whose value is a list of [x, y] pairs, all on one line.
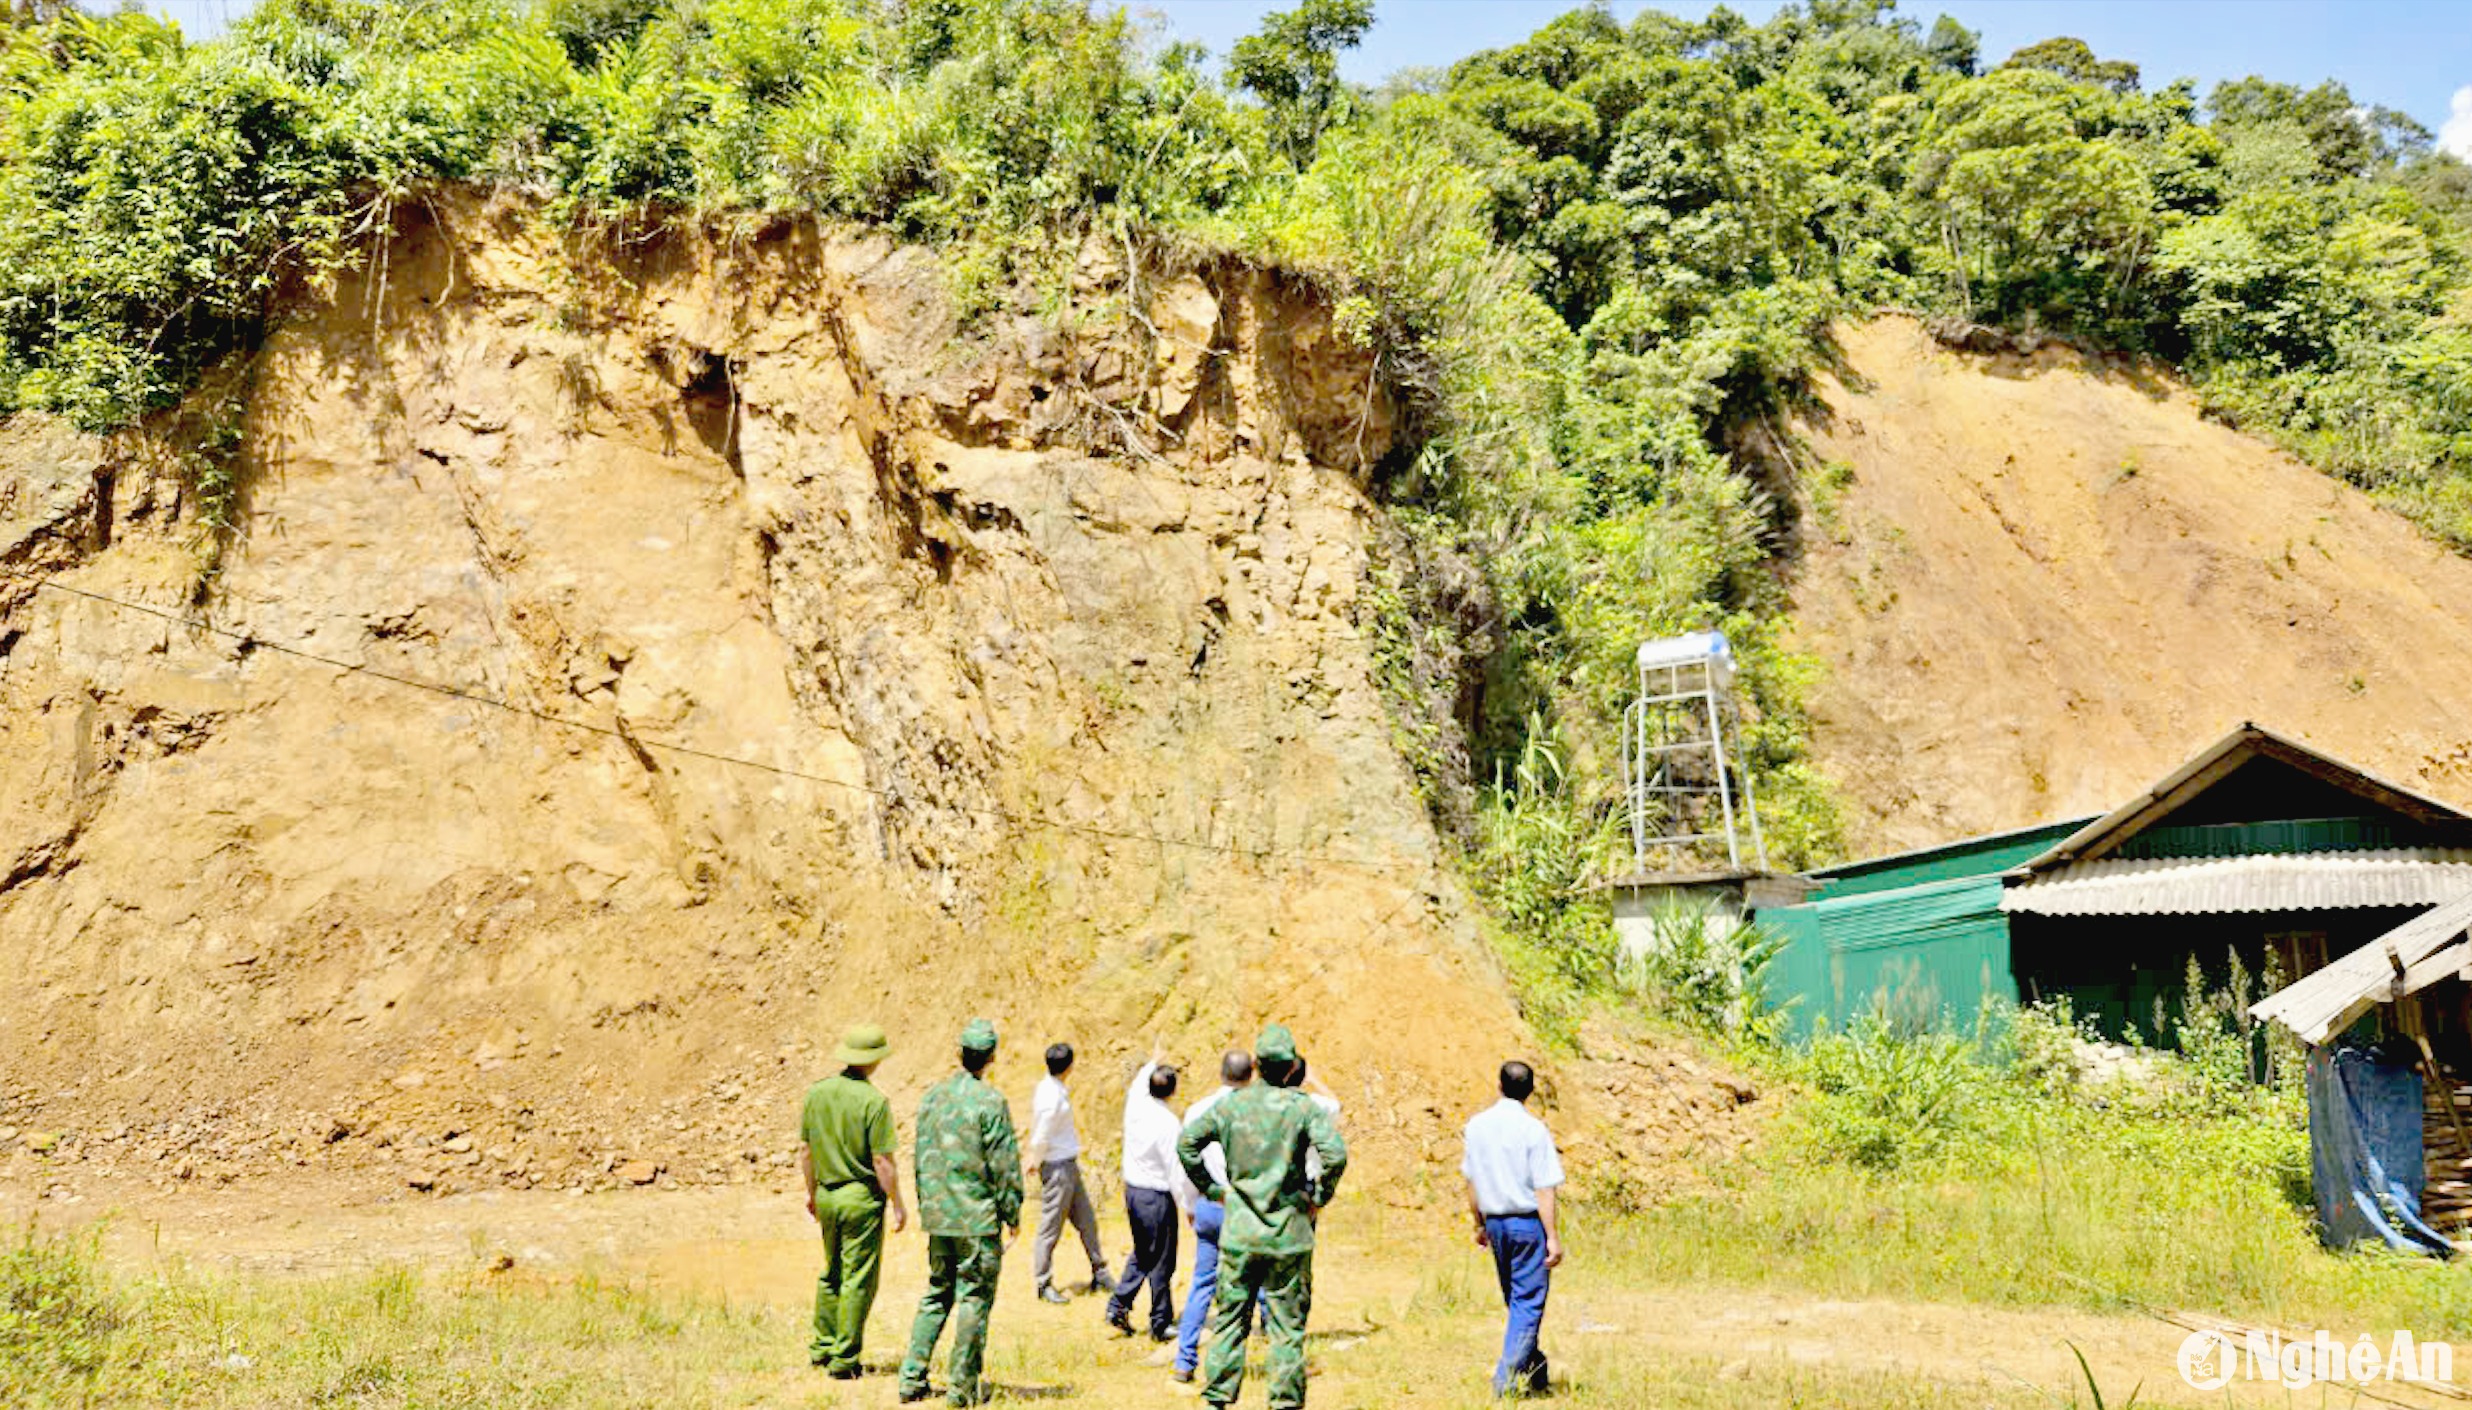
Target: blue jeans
{"points": [[1518, 1242], [1208, 1219]]}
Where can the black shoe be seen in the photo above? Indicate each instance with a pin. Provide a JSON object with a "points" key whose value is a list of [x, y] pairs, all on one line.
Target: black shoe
{"points": [[1097, 1284], [1162, 1335], [1121, 1322], [846, 1373], [1051, 1295], [913, 1394]]}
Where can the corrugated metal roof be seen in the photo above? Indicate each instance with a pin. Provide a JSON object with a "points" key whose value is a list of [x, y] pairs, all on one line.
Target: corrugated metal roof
{"points": [[1977, 842], [2395, 876], [2405, 960], [1988, 855]]}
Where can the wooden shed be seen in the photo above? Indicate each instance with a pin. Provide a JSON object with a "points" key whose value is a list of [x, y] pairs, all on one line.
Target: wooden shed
{"points": [[2258, 847], [2412, 983]]}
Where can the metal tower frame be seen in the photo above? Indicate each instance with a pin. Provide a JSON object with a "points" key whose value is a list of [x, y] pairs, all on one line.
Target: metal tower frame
{"points": [[1679, 718]]}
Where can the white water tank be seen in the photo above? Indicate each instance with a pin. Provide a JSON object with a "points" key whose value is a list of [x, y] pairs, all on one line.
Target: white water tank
{"points": [[1710, 649]]}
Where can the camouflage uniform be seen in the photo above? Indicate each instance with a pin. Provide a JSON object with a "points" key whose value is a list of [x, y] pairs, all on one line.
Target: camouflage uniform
{"points": [[968, 1173], [1266, 1244]]}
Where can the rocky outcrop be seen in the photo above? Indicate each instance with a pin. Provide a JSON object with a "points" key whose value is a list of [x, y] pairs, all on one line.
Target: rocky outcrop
{"points": [[760, 608]]}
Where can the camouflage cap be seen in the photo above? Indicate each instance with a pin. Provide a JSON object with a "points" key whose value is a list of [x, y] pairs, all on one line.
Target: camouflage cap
{"points": [[979, 1036], [1275, 1045]]}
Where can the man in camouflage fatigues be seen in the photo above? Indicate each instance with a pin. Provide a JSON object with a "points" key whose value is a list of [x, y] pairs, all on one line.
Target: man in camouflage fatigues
{"points": [[1265, 1131], [968, 1178]]}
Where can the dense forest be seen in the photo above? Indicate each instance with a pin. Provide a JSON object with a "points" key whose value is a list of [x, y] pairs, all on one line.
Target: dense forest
{"points": [[1598, 265]]}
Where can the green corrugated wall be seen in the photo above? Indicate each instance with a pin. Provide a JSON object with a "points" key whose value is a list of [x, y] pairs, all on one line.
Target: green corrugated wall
{"points": [[2281, 838], [1919, 937], [1918, 956]]}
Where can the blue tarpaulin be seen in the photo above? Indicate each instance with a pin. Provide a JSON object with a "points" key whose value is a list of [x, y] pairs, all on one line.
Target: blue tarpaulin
{"points": [[2365, 1150]]}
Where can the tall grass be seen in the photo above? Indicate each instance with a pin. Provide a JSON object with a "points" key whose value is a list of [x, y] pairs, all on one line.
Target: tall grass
{"points": [[1958, 1167]]}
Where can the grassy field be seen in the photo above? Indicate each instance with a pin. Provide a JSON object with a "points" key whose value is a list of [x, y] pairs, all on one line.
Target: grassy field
{"points": [[2109, 1218], [74, 1334]]}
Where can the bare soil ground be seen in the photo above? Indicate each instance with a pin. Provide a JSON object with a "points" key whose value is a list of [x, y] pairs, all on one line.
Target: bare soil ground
{"points": [[2049, 579], [1405, 1312]]}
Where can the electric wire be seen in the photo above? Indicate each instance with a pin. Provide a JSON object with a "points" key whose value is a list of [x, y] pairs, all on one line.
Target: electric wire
{"points": [[250, 641]]}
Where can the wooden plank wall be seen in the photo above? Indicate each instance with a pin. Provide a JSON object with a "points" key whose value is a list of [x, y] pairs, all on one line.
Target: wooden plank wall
{"points": [[2447, 1204]]}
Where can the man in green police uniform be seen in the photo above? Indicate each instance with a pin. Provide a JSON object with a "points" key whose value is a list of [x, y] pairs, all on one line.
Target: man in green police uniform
{"points": [[969, 1185], [1265, 1131], [847, 1129]]}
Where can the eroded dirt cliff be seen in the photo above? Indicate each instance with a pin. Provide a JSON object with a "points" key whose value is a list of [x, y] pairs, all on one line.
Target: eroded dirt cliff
{"points": [[2037, 583], [753, 495]]}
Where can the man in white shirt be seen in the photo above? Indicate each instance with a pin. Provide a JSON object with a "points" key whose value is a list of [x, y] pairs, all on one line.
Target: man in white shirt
{"points": [[1324, 1098], [1513, 1173], [1055, 1148], [1155, 1193], [1235, 1071]]}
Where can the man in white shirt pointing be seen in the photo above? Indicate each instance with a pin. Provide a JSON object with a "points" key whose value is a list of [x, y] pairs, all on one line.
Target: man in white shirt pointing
{"points": [[1055, 1147], [1156, 1194], [1513, 1175]]}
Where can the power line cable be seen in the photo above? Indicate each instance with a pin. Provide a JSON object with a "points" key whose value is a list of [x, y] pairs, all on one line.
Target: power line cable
{"points": [[250, 641]]}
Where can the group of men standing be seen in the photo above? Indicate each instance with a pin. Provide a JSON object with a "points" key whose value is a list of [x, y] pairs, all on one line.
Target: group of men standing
{"points": [[969, 1206], [1249, 1168]]}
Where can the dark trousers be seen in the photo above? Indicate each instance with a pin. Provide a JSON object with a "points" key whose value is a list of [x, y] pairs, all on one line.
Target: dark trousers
{"points": [[1153, 1215], [1519, 1262]]}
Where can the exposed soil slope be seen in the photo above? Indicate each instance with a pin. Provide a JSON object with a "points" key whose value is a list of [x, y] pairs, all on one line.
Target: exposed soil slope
{"points": [[755, 496], [2049, 580]]}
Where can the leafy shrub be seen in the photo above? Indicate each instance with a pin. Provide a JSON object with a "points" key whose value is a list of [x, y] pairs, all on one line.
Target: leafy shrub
{"points": [[1533, 856], [1884, 1098], [2044, 1043], [1705, 971]]}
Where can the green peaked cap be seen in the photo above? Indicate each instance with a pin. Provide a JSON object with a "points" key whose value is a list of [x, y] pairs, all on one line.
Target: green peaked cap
{"points": [[1275, 1045], [979, 1036]]}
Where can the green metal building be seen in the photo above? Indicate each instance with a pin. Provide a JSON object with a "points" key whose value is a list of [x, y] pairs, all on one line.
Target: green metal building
{"points": [[2258, 848], [1918, 936]]}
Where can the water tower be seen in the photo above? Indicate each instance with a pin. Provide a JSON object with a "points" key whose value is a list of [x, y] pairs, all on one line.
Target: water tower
{"points": [[1695, 822], [1687, 792]]}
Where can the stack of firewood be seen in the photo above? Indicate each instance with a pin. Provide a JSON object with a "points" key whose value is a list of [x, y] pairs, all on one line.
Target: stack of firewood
{"points": [[2447, 1204]]}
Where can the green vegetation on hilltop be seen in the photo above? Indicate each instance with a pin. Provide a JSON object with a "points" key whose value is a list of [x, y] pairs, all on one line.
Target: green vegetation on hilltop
{"points": [[1598, 264]]}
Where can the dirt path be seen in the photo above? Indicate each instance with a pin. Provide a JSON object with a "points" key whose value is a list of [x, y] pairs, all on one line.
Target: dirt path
{"points": [[1404, 1313]]}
